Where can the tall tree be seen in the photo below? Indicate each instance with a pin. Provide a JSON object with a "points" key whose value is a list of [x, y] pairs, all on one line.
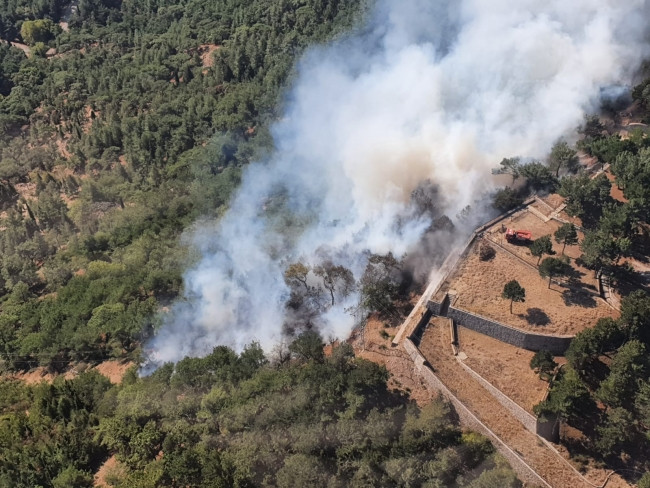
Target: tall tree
{"points": [[616, 432], [543, 363], [509, 166], [552, 268], [632, 171], [566, 235], [635, 316], [539, 177], [586, 197], [541, 246], [380, 284], [336, 279], [628, 368], [600, 249], [563, 157], [514, 292], [296, 274], [506, 199]]}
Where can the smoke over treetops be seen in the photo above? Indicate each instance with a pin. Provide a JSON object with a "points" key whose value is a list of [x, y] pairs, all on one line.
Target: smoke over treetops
{"points": [[430, 90]]}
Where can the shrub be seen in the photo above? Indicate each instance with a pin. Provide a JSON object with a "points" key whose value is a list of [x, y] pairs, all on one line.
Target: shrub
{"points": [[486, 252]]}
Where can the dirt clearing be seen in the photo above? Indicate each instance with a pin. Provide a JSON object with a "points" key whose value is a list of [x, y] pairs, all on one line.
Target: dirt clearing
{"points": [[206, 52], [114, 370], [506, 367], [372, 345], [560, 310], [526, 220], [110, 467]]}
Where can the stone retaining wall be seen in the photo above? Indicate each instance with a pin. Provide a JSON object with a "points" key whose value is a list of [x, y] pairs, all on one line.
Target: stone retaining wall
{"points": [[504, 333], [443, 273], [435, 307], [468, 419], [416, 335], [549, 430]]}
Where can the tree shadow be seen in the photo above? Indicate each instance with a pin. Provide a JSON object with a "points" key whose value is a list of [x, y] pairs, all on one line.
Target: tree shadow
{"points": [[573, 274], [580, 297], [626, 279], [641, 245], [536, 316], [574, 282]]}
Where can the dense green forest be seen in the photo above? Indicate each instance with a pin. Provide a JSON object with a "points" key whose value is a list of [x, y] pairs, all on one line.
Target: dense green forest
{"points": [[123, 125], [114, 137], [231, 420]]}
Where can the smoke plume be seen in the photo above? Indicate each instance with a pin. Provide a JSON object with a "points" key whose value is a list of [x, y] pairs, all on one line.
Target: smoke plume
{"points": [[427, 90]]}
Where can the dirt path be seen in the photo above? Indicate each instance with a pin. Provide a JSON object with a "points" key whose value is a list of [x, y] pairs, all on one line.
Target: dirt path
{"points": [[548, 464], [113, 369], [23, 47]]}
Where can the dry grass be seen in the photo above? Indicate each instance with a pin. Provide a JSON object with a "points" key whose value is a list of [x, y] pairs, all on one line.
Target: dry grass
{"points": [[566, 308], [372, 346], [506, 367], [560, 310], [436, 349]]}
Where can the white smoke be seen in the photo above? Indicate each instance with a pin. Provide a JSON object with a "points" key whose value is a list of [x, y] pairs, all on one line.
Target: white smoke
{"points": [[438, 90]]}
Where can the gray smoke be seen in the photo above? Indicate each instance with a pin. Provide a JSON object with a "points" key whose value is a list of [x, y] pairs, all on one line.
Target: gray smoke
{"points": [[437, 90]]}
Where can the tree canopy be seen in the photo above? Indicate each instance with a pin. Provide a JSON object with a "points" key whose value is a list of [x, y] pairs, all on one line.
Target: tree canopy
{"points": [[514, 292], [566, 234], [540, 246], [139, 123], [552, 268], [238, 420], [603, 390]]}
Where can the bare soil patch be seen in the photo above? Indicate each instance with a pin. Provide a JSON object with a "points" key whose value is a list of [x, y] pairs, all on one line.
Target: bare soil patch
{"points": [[114, 370], [23, 47], [62, 146], [205, 51], [560, 310], [615, 193], [371, 345], [111, 466], [504, 366], [542, 207], [554, 200], [26, 190], [587, 161], [34, 376], [89, 117]]}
